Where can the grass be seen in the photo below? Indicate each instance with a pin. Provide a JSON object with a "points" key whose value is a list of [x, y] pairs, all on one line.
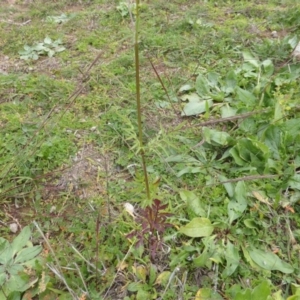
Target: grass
{"points": [[220, 122]]}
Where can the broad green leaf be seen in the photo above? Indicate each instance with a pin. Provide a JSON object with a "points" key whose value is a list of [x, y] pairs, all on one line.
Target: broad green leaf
{"points": [[243, 295], [6, 255], [193, 202], [228, 186], [232, 259], [251, 151], [235, 210], [278, 296], [278, 113], [2, 278], [15, 269], [295, 289], [268, 68], [270, 261], [198, 227], [17, 283], [27, 254], [213, 79], [142, 294], [227, 111], [272, 138], [294, 182], [216, 137], [21, 240], [246, 97], [240, 192], [163, 278], [190, 170], [152, 274], [293, 41], [196, 108], [185, 88], [202, 86], [192, 97], [250, 223], [134, 286], [294, 297], [249, 259], [207, 294], [47, 40], [262, 291], [181, 158], [249, 58], [230, 82]]}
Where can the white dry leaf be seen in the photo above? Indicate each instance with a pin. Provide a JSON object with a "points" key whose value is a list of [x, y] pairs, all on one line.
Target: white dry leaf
{"points": [[129, 208]]}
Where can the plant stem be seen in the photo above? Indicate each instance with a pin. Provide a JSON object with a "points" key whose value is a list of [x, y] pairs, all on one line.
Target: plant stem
{"points": [[138, 98]]}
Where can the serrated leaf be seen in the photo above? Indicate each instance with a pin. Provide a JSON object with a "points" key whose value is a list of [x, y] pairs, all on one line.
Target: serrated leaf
{"points": [[198, 227], [270, 261]]}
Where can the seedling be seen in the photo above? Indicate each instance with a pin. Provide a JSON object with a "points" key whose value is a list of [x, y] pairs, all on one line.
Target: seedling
{"points": [[47, 47]]}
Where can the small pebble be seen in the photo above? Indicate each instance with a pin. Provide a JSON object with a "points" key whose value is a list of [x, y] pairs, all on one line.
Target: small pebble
{"points": [[274, 34], [13, 227]]}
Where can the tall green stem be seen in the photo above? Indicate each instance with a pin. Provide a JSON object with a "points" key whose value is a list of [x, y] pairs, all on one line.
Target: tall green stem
{"points": [[138, 97]]}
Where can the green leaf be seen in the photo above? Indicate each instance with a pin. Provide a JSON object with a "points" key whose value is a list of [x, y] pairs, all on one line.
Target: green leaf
{"points": [[196, 108], [270, 261], [202, 86], [190, 170], [18, 284], [249, 58], [232, 259], [198, 227], [215, 137], [268, 68], [230, 82], [207, 294], [227, 111], [193, 202], [235, 210], [262, 291], [27, 254], [228, 186], [272, 138], [21, 240], [47, 40], [246, 97], [142, 294], [250, 223], [294, 182], [134, 286], [192, 97]]}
